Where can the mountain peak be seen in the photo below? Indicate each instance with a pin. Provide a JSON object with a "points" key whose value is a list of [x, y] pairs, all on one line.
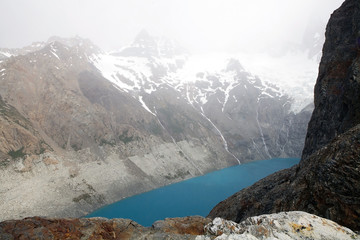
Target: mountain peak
{"points": [[146, 45], [234, 65], [143, 37], [73, 41]]}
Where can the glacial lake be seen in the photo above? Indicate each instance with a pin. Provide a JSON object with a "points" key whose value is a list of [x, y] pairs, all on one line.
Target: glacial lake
{"points": [[195, 196]]}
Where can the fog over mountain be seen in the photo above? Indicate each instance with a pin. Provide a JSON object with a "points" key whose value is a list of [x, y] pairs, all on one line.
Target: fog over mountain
{"points": [[103, 100], [74, 115], [202, 25]]}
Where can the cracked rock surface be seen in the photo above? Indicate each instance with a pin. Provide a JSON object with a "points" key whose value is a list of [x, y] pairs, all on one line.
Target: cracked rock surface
{"points": [[285, 225]]}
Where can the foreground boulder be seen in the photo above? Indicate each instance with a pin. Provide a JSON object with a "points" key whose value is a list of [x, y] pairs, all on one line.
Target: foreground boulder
{"points": [[286, 225], [101, 228]]}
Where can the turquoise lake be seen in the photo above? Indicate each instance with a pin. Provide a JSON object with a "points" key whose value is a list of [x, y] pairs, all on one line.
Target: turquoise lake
{"points": [[196, 196]]}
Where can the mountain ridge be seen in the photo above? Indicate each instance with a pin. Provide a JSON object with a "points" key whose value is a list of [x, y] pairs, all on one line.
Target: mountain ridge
{"points": [[96, 115]]}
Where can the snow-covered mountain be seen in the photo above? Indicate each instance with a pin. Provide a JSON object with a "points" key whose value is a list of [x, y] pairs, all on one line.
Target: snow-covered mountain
{"points": [[243, 103], [101, 126]]}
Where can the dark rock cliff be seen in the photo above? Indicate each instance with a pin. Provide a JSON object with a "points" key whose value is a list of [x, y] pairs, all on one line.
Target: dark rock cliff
{"points": [[337, 90], [326, 182]]}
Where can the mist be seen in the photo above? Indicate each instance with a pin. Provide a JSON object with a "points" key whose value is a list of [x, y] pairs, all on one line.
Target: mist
{"points": [[199, 26]]}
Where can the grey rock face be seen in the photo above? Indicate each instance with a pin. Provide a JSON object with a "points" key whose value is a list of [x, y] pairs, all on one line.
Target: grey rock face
{"points": [[18, 135], [337, 90], [253, 116], [326, 182]]}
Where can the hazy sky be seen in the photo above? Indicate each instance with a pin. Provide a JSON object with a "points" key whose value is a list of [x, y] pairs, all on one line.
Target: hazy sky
{"points": [[196, 24]]}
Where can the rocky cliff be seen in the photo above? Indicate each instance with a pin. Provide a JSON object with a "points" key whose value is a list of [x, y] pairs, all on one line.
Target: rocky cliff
{"points": [[337, 89], [326, 182]]}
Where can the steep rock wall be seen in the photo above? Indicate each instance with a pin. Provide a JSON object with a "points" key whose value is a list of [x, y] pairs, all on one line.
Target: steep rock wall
{"points": [[326, 181]]}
